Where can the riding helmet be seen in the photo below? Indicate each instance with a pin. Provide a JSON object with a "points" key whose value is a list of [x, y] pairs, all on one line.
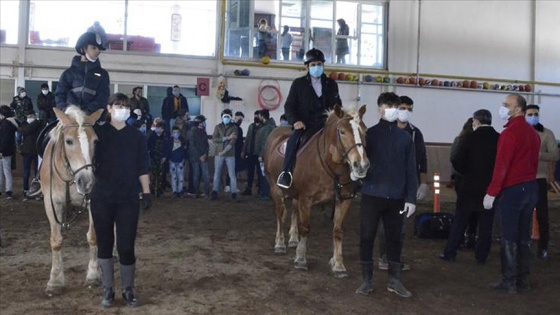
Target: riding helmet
{"points": [[314, 55], [88, 38]]}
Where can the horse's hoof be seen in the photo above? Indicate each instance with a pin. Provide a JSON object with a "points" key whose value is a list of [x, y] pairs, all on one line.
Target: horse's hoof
{"points": [[92, 283], [279, 249], [340, 274], [300, 265], [292, 244], [53, 291]]}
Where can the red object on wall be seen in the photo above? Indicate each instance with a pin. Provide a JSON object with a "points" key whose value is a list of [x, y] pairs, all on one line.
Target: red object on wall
{"points": [[202, 86]]}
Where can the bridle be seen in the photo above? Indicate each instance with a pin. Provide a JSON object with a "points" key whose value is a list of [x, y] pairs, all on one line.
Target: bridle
{"points": [[72, 174]]}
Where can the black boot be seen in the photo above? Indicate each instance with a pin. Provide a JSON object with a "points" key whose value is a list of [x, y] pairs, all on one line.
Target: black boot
{"points": [[508, 257], [367, 276], [395, 285], [106, 266], [127, 284], [523, 266]]}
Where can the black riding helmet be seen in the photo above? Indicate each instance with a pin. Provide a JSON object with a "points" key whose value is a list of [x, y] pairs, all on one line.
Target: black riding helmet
{"points": [[314, 55], [88, 38]]}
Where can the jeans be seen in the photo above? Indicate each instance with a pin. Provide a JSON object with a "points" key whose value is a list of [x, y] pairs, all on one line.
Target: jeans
{"points": [[29, 160], [176, 169], [516, 204], [264, 186], [198, 169], [230, 164], [286, 53], [6, 170]]}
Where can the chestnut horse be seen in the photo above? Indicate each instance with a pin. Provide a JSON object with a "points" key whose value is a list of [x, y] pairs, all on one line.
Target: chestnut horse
{"points": [[66, 181], [335, 157]]}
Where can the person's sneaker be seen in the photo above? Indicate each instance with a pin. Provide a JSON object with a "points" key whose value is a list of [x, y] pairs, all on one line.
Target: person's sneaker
{"points": [[108, 298], [383, 264], [247, 192], [284, 180], [543, 254], [9, 195], [25, 197], [39, 197], [227, 189], [34, 188], [214, 195]]}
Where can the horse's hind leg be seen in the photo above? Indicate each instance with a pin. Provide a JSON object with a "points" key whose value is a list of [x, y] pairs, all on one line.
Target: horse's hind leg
{"points": [[304, 211], [56, 281], [336, 262], [93, 276], [280, 209], [294, 236]]}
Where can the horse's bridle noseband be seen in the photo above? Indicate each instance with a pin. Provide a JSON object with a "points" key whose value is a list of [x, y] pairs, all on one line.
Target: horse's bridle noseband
{"points": [[69, 169]]}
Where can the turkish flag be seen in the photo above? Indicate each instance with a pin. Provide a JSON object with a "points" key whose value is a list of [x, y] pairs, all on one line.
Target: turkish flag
{"points": [[202, 86]]}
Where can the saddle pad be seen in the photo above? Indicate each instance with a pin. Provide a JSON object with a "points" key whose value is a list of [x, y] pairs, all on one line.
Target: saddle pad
{"points": [[281, 149]]}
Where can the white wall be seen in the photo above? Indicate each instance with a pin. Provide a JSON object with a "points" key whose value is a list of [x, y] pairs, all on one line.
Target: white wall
{"points": [[515, 39]]}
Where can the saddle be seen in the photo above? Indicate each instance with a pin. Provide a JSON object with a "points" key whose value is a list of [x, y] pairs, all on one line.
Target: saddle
{"points": [[303, 142]]}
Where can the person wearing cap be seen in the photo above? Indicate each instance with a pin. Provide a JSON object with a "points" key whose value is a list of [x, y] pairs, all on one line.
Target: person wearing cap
{"points": [[513, 190], [548, 154], [309, 99], [224, 137], [30, 130], [45, 104], [474, 160], [198, 156], [21, 104]]}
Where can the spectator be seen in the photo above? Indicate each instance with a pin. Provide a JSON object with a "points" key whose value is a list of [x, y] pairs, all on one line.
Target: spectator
{"points": [[198, 156], [30, 130], [140, 102], [474, 160], [177, 156], [45, 104], [513, 183], [548, 153], [286, 42], [225, 135], [239, 160], [283, 120], [158, 144], [250, 153], [262, 37], [21, 104], [268, 125], [171, 106], [388, 193], [8, 129], [342, 48]]}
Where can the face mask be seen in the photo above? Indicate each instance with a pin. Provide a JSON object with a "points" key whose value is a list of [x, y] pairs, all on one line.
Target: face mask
{"points": [[256, 121], [504, 113], [91, 59], [175, 135], [159, 131], [226, 120], [176, 94], [283, 122], [202, 125], [22, 94], [143, 129], [404, 115], [391, 114], [30, 120], [45, 92], [532, 120], [316, 71], [239, 122], [121, 115]]}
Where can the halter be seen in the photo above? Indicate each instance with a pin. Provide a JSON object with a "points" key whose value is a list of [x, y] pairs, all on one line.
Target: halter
{"points": [[72, 173]]}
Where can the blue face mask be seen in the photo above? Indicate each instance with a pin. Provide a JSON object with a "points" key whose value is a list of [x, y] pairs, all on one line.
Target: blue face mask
{"points": [[176, 94], [143, 129], [226, 120], [176, 136], [316, 71], [159, 131], [532, 120], [283, 122]]}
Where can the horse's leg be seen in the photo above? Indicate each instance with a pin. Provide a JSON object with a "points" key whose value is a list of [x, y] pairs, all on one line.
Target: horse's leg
{"points": [[294, 237], [280, 209], [304, 211], [336, 262], [93, 276], [56, 281]]}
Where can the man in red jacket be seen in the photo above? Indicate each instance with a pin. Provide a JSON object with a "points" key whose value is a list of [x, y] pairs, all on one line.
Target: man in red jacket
{"points": [[515, 187]]}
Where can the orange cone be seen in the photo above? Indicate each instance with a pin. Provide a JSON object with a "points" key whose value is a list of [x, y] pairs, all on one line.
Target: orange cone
{"points": [[535, 233]]}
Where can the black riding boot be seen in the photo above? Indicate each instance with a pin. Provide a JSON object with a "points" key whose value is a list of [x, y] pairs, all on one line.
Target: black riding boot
{"points": [[285, 178], [107, 271], [523, 266], [367, 279], [395, 285], [127, 284], [508, 256]]}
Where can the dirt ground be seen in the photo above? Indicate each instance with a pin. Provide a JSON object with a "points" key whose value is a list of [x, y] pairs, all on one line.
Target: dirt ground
{"points": [[216, 257]]}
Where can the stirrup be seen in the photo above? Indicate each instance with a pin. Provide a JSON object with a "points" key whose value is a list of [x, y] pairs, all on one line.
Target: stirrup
{"points": [[35, 188], [281, 182]]}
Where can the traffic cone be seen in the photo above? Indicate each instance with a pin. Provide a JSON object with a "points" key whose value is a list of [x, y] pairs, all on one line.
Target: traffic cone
{"points": [[535, 232]]}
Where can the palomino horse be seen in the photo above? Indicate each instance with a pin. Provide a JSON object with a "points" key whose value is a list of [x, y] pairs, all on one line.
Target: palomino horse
{"points": [[67, 179], [324, 170]]}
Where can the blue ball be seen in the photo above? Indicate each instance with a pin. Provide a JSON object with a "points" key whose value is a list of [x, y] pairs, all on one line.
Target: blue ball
{"points": [[245, 72]]}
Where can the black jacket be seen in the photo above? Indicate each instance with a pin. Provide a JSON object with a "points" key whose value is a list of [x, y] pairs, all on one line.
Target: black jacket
{"points": [[45, 103], [303, 104], [30, 133], [475, 162], [7, 137], [21, 106]]}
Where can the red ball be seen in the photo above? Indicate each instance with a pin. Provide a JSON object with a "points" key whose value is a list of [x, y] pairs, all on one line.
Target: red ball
{"points": [[473, 84], [435, 82], [528, 88], [400, 80]]}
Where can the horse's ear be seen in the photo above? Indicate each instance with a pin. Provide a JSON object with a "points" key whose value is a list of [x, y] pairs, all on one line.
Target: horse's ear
{"points": [[91, 119], [61, 116], [338, 111], [362, 111]]}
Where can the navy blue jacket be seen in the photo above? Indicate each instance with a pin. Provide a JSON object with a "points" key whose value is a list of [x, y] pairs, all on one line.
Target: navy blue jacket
{"points": [[179, 154], [84, 84], [392, 172]]}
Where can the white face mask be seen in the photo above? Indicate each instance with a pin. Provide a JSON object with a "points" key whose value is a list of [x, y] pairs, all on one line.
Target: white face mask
{"points": [[504, 113], [30, 120], [45, 92], [22, 94], [121, 115], [391, 114], [404, 115]]}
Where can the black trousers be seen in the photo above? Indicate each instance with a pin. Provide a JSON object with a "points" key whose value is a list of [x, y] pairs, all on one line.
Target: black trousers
{"points": [[542, 214], [252, 165], [124, 216], [372, 210], [291, 149]]}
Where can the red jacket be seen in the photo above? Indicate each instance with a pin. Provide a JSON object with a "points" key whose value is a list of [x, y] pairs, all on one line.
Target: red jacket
{"points": [[517, 158]]}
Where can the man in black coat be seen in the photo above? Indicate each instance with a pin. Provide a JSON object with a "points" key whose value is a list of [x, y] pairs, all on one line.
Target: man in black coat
{"points": [[309, 99], [475, 162]]}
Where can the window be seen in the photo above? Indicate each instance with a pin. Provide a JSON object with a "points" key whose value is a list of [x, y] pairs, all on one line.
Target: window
{"points": [[9, 22], [348, 32], [174, 27]]}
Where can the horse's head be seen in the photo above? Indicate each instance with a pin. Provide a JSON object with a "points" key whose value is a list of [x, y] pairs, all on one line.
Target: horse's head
{"points": [[351, 130], [76, 138]]}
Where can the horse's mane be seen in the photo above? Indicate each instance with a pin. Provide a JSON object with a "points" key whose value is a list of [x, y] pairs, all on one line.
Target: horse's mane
{"points": [[351, 111], [75, 113]]}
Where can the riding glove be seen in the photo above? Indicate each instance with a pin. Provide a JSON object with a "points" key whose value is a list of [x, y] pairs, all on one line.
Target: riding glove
{"points": [[409, 208], [422, 192], [488, 201]]}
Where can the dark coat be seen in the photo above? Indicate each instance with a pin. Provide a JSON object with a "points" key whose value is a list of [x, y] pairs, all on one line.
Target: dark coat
{"points": [[475, 162], [30, 133], [46, 103], [7, 137], [168, 110], [303, 104], [84, 84], [198, 144], [21, 106]]}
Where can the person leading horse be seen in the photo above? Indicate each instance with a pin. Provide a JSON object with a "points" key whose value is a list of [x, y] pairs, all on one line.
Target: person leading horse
{"points": [[309, 100]]}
